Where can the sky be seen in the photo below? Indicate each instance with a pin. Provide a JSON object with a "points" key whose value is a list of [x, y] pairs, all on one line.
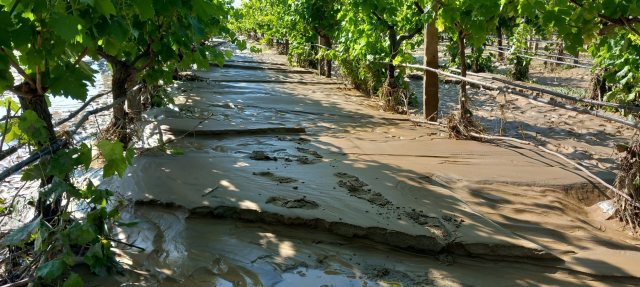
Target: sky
{"points": [[236, 3]]}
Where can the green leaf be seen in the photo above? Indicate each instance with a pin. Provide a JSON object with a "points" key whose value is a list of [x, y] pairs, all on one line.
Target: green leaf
{"points": [[105, 7], [70, 81], [112, 153], [74, 280], [94, 254], [21, 235], [9, 102], [61, 164], [113, 214], [145, 8], [129, 156], [228, 54], [67, 26], [84, 157], [52, 269], [34, 128], [81, 233]]}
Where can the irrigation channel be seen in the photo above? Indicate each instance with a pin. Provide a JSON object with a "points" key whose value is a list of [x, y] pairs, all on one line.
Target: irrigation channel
{"points": [[289, 179]]}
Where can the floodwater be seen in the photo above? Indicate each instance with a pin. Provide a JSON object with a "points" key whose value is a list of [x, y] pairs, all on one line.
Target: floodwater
{"points": [[294, 181]]}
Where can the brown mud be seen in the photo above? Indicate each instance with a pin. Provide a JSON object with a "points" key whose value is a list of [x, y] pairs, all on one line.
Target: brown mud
{"points": [[419, 209]]}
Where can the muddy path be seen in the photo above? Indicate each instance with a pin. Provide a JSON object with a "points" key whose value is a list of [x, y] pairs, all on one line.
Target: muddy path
{"points": [[292, 180]]}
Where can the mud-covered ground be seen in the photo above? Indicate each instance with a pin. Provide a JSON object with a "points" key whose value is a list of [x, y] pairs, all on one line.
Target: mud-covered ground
{"points": [[293, 180]]}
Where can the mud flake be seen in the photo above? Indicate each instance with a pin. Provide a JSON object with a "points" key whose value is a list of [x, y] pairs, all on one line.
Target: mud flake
{"points": [[303, 202], [309, 152], [424, 219], [261, 155], [273, 177], [307, 160], [299, 140], [354, 185], [445, 259]]}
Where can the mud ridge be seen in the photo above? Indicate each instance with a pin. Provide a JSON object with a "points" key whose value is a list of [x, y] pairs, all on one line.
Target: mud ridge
{"points": [[420, 243], [355, 186], [273, 177], [586, 193], [303, 202], [248, 131]]}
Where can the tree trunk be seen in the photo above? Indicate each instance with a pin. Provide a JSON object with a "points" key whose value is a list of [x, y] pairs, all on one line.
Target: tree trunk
{"points": [[327, 62], [560, 53], [430, 86], [463, 72], [121, 75], [38, 104], [286, 46], [391, 70], [321, 63], [134, 102], [499, 36]]}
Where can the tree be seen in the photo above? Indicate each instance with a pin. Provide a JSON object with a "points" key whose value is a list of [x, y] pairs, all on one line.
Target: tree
{"points": [[164, 35], [469, 22], [323, 21]]}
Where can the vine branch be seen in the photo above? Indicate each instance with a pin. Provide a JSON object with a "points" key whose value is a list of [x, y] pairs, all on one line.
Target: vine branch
{"points": [[22, 73]]}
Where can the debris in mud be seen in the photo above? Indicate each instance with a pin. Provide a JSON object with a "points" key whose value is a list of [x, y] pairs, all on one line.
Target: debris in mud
{"points": [[261, 155], [423, 219], [355, 187], [307, 160], [303, 202], [274, 177], [397, 278], [299, 140], [309, 152], [435, 224], [445, 259]]}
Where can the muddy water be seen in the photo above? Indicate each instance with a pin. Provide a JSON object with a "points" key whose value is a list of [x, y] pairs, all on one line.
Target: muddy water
{"points": [[183, 250]]}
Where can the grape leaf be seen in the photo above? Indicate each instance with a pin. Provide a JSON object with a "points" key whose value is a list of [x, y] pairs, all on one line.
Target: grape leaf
{"points": [[21, 235], [52, 269], [74, 280], [67, 26]]}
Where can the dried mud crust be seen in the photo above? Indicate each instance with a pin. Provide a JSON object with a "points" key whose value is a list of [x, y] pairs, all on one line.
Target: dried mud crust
{"points": [[378, 273], [356, 187], [303, 202], [309, 152], [307, 160], [446, 227], [277, 178], [261, 155], [300, 140]]}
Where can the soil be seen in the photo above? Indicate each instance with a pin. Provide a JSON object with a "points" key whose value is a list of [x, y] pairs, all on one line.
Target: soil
{"points": [[420, 209], [276, 178], [292, 203]]}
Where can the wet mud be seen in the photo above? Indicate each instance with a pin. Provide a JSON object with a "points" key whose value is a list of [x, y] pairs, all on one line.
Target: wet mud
{"points": [[364, 199]]}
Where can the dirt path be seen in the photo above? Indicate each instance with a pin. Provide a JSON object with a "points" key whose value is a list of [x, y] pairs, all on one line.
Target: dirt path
{"points": [[293, 181]]}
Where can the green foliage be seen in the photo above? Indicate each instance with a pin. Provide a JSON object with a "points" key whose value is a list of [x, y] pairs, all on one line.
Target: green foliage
{"points": [[116, 160], [620, 59], [21, 235], [73, 280], [520, 70]]}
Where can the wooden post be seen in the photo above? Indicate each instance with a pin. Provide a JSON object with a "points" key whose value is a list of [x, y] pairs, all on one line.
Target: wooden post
{"points": [[577, 57], [560, 53], [430, 85], [499, 36], [321, 62]]}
